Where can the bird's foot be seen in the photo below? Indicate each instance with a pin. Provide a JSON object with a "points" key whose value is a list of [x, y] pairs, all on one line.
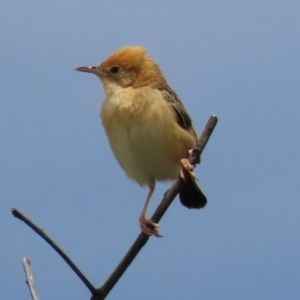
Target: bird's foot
{"points": [[186, 171], [149, 227]]}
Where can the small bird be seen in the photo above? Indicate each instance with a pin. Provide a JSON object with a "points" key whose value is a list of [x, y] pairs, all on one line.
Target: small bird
{"points": [[147, 126]]}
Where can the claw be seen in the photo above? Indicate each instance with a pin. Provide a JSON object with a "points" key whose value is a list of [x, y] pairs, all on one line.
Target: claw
{"points": [[186, 171], [149, 227]]}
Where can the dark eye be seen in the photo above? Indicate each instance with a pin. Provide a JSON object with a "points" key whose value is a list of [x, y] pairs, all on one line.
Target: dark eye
{"points": [[114, 69]]}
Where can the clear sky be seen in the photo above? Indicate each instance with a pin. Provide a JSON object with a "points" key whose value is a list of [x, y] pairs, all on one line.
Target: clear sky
{"points": [[237, 59]]}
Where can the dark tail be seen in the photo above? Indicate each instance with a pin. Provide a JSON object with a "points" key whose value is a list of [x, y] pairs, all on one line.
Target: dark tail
{"points": [[191, 195]]}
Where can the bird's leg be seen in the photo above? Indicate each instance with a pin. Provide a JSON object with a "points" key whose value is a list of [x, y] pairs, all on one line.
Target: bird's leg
{"points": [[147, 225], [186, 171]]}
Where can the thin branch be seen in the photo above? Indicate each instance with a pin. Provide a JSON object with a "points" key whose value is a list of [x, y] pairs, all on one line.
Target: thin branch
{"points": [[102, 292], [206, 133], [29, 279], [63, 255], [169, 196]]}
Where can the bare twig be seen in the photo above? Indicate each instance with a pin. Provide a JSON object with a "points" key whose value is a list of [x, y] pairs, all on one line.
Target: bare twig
{"points": [[169, 196], [206, 133], [29, 279], [102, 292], [63, 255]]}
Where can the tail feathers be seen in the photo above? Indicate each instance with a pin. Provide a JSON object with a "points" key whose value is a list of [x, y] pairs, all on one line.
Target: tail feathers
{"points": [[191, 195]]}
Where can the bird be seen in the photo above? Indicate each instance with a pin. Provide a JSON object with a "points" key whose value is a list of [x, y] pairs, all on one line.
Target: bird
{"points": [[147, 126]]}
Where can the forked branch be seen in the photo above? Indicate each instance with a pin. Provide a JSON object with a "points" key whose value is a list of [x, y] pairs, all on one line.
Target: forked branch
{"points": [[102, 292]]}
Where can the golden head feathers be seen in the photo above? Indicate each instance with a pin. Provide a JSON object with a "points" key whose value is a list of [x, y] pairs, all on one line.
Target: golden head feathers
{"points": [[130, 58], [131, 66]]}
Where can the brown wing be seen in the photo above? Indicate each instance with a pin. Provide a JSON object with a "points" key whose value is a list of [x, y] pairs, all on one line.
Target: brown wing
{"points": [[182, 117]]}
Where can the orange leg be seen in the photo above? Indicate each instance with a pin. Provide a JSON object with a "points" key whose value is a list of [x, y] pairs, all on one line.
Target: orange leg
{"points": [[148, 226], [186, 171]]}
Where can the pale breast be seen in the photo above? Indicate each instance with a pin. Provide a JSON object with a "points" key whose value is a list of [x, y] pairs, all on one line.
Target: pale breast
{"points": [[144, 136]]}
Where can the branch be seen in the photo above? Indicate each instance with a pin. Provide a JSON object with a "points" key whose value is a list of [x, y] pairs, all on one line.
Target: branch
{"points": [[102, 292], [63, 255], [29, 279], [169, 196]]}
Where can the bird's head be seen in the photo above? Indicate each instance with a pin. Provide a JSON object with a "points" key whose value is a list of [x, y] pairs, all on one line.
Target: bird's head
{"points": [[128, 67]]}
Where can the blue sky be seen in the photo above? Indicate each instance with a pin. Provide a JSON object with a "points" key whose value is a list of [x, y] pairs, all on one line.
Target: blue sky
{"points": [[236, 59]]}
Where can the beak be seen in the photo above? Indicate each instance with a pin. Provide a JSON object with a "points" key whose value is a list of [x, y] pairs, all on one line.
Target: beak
{"points": [[93, 70]]}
